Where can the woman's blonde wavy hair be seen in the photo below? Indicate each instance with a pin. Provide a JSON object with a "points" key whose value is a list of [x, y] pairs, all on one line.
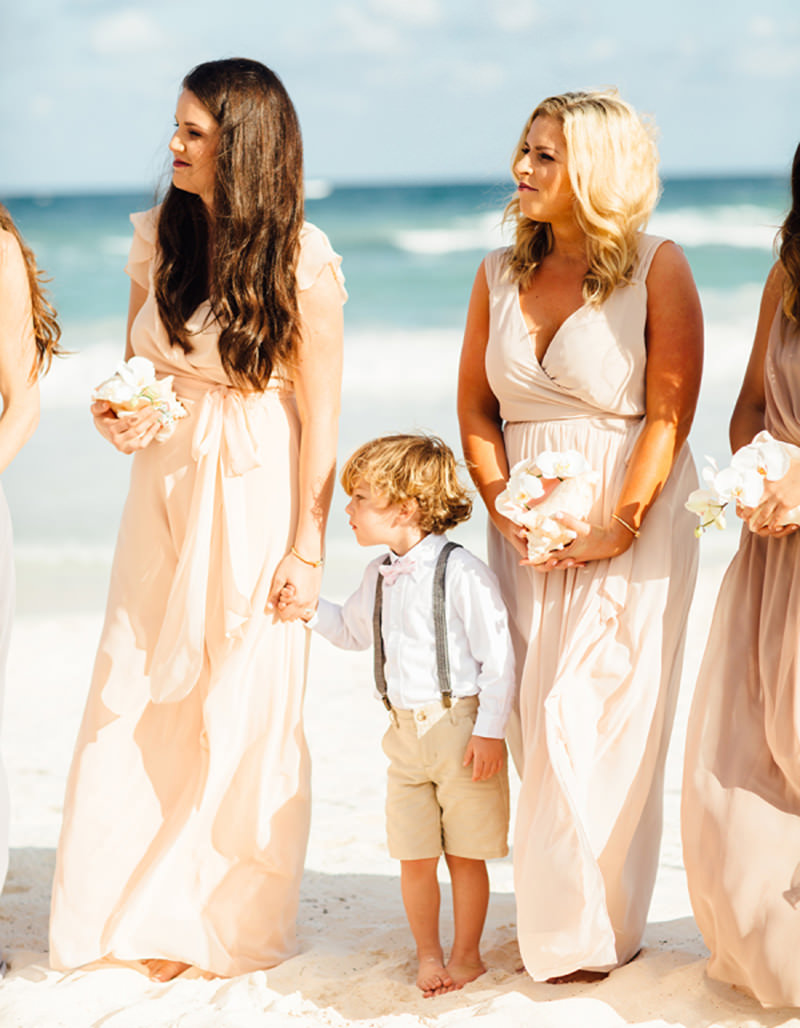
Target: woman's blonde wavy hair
{"points": [[412, 467], [612, 163]]}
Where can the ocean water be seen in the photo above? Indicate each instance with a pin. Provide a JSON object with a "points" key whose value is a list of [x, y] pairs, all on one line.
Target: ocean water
{"points": [[410, 255]]}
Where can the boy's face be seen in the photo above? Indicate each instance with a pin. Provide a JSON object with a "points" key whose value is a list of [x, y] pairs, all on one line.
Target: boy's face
{"points": [[374, 521]]}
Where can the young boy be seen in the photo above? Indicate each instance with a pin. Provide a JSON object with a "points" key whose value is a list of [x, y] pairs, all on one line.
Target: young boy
{"points": [[448, 780]]}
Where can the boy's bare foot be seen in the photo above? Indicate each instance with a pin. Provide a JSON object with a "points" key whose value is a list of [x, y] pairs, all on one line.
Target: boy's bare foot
{"points": [[433, 978], [164, 970], [466, 971]]}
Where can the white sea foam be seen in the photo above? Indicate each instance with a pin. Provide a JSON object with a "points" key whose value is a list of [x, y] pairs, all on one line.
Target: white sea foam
{"points": [[116, 246], [480, 233], [71, 380], [744, 226], [317, 189]]}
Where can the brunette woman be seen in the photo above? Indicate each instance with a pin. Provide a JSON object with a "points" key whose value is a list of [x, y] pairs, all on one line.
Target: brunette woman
{"points": [[187, 805], [741, 794]]}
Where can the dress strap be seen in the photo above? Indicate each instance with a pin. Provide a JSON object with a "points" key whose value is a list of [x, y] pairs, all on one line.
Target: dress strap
{"points": [[645, 254], [496, 265]]}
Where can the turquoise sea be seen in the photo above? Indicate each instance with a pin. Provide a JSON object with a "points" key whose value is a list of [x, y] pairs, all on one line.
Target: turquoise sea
{"points": [[410, 254]]}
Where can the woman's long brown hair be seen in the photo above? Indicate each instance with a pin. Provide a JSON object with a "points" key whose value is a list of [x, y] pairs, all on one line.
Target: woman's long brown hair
{"points": [[789, 248], [46, 330], [257, 220]]}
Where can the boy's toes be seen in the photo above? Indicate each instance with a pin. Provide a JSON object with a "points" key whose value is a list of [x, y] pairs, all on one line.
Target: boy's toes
{"points": [[433, 978]]}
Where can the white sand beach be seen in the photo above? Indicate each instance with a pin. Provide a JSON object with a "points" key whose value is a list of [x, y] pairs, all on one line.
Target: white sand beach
{"points": [[356, 963]]}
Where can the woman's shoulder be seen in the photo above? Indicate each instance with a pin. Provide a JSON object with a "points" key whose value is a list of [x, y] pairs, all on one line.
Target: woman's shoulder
{"points": [[143, 247], [316, 253], [9, 247], [495, 264], [12, 260], [647, 246], [145, 223]]}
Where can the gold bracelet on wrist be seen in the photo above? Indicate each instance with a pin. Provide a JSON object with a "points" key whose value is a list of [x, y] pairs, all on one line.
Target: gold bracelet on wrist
{"points": [[305, 560], [634, 531]]}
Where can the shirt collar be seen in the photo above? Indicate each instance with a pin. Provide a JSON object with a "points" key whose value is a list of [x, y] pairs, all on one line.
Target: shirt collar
{"points": [[424, 554]]}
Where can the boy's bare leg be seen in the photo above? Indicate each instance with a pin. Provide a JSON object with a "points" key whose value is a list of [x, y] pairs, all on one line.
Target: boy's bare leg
{"points": [[420, 888], [470, 903]]}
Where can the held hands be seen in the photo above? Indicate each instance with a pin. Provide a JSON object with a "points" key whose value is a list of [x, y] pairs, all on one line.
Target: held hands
{"points": [[592, 542], [487, 756], [130, 433], [294, 591]]}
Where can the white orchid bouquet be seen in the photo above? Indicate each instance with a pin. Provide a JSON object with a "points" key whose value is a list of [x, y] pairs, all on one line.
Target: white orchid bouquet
{"points": [[134, 385], [765, 459], [541, 488]]}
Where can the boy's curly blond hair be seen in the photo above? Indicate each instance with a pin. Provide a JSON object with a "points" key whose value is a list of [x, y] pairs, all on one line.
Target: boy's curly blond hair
{"points": [[412, 467]]}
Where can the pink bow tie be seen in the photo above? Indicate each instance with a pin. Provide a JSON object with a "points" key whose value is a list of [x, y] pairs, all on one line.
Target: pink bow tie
{"points": [[391, 572]]}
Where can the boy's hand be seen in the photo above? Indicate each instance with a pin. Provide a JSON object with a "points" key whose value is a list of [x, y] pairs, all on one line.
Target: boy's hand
{"points": [[287, 596], [487, 756]]}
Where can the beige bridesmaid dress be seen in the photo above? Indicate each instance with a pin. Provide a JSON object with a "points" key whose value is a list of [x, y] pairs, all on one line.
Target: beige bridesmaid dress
{"points": [[599, 648], [740, 816], [187, 805]]}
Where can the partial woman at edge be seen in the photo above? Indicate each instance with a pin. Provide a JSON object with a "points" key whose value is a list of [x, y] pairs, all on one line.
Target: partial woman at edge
{"points": [[740, 814], [586, 334], [29, 335]]}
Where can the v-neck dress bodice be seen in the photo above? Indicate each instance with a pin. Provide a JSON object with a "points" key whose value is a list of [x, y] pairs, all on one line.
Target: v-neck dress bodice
{"points": [[598, 648], [594, 364]]}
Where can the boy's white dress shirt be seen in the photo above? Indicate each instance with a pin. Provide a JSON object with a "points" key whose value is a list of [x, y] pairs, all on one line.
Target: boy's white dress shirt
{"points": [[479, 645]]}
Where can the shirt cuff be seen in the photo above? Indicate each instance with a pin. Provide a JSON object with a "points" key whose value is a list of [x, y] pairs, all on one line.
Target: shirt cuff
{"points": [[490, 726]]}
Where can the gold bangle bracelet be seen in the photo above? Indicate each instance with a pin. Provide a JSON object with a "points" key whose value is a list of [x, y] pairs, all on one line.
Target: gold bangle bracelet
{"points": [[634, 531], [304, 560]]}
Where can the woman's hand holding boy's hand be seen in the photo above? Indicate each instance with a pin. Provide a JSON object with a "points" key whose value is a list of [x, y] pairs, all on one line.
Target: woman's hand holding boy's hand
{"points": [[487, 756], [294, 592]]}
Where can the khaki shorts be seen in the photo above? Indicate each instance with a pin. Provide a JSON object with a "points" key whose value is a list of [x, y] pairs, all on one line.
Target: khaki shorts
{"points": [[432, 804]]}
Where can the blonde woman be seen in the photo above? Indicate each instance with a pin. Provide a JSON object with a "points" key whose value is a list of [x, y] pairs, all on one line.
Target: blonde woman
{"points": [[586, 334], [29, 335]]}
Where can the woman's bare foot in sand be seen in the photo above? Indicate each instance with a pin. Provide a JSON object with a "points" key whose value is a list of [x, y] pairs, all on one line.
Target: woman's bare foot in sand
{"points": [[464, 971], [433, 978], [164, 970]]}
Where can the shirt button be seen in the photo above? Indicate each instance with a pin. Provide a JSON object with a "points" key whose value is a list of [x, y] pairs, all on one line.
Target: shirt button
{"points": [[420, 715]]}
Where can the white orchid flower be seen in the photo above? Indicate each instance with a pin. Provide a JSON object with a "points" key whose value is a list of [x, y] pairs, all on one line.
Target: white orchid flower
{"points": [[744, 485], [709, 507], [764, 455], [137, 372], [522, 489], [561, 464]]}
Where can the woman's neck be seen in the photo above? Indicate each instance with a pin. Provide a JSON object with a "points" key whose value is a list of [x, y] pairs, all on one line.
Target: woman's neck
{"points": [[569, 242]]}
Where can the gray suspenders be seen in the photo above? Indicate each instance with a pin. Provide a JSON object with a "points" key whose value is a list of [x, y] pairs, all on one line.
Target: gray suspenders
{"points": [[439, 627]]}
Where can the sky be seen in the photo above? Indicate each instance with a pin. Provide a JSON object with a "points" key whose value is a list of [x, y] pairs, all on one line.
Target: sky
{"points": [[393, 90]]}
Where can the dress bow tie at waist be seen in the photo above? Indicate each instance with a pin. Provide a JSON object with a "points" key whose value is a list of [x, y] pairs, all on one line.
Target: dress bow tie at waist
{"points": [[224, 446]]}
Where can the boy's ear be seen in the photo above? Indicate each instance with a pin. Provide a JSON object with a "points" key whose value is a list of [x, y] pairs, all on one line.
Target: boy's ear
{"points": [[409, 509]]}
